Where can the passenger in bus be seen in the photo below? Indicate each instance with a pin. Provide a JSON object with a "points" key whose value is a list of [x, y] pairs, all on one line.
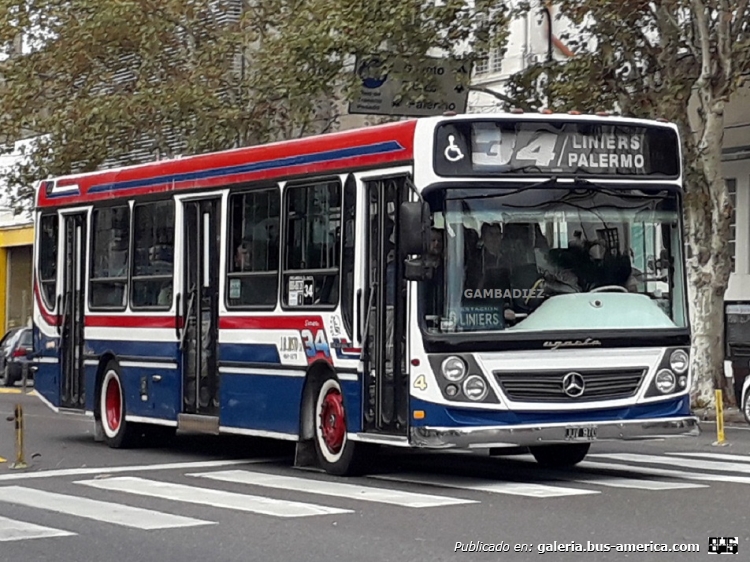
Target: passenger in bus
{"points": [[242, 257], [495, 273], [434, 260], [165, 294]]}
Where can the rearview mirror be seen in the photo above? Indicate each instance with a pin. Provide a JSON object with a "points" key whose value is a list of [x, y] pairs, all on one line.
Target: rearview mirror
{"points": [[414, 222]]}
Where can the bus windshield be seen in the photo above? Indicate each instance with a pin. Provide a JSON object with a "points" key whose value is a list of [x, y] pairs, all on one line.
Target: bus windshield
{"points": [[553, 259]]}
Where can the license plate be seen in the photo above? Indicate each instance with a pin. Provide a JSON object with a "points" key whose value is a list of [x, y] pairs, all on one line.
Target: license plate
{"points": [[580, 433]]}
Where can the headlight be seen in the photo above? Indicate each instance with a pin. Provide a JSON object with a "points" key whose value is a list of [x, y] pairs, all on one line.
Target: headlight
{"points": [[454, 369], [475, 388], [679, 362], [665, 381]]}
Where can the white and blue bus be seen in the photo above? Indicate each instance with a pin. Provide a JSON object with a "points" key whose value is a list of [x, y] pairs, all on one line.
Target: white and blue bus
{"points": [[456, 282]]}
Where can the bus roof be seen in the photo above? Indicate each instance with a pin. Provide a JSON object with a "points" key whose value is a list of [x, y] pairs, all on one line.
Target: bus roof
{"points": [[377, 145]]}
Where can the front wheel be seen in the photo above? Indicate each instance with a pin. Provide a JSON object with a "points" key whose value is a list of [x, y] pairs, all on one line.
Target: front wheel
{"points": [[335, 452], [746, 405], [560, 456], [118, 433]]}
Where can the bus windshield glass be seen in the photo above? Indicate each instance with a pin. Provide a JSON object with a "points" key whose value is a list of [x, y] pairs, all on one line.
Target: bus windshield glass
{"points": [[554, 259]]}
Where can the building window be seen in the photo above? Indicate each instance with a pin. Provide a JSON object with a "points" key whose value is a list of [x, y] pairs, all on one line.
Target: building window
{"points": [[153, 255], [732, 189], [110, 257], [312, 244], [254, 262], [489, 63], [481, 66], [48, 258]]}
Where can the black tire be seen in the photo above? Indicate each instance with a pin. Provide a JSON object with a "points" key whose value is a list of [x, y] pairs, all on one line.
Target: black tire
{"points": [[336, 453], [7, 377], [117, 432], [560, 456], [745, 404]]}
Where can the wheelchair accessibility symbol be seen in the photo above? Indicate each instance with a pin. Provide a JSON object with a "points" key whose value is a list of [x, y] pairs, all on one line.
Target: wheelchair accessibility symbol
{"points": [[452, 152]]}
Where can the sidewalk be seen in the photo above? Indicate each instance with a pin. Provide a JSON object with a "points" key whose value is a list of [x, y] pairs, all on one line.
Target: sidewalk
{"points": [[731, 415]]}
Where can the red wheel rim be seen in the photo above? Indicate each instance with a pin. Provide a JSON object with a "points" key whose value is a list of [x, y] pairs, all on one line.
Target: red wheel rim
{"points": [[113, 404], [332, 422]]}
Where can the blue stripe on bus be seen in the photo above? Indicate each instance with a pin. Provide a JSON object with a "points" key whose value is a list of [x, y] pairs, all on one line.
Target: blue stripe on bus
{"points": [[246, 352], [441, 416], [301, 160], [130, 348], [250, 353]]}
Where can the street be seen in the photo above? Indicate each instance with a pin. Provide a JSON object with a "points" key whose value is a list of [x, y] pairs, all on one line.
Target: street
{"points": [[240, 499]]}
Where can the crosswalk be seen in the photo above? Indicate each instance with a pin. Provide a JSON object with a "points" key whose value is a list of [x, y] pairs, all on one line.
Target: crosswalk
{"points": [[257, 489]]}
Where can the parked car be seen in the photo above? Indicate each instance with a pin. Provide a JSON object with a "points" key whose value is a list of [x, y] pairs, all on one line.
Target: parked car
{"points": [[745, 404], [14, 347]]}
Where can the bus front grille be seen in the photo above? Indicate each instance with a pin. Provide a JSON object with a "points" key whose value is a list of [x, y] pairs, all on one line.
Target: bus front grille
{"points": [[548, 386]]}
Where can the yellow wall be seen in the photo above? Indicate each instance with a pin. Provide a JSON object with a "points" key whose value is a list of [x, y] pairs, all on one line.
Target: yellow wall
{"points": [[10, 238]]}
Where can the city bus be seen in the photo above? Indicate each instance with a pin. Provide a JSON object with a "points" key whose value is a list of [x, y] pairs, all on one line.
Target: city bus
{"points": [[496, 282]]}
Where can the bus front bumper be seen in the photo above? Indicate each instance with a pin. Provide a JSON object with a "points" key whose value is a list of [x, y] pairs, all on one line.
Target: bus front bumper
{"points": [[542, 434]]}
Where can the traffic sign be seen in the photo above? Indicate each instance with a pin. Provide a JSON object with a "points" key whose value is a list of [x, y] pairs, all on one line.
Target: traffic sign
{"points": [[383, 93]]}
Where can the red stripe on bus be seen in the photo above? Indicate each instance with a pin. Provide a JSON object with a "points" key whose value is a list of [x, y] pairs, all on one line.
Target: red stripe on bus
{"points": [[270, 322], [123, 321], [225, 323], [401, 133]]}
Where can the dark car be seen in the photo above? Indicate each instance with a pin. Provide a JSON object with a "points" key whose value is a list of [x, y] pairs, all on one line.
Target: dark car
{"points": [[14, 348]]}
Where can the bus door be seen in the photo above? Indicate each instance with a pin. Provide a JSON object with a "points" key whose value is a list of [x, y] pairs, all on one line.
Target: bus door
{"points": [[386, 384], [71, 305], [200, 301]]}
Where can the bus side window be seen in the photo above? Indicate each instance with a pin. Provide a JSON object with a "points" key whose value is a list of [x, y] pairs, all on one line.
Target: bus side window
{"points": [[253, 269], [109, 260], [153, 254], [313, 245], [48, 258]]}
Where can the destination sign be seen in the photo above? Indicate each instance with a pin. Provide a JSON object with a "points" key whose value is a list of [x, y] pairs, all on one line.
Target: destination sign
{"points": [[488, 148]]}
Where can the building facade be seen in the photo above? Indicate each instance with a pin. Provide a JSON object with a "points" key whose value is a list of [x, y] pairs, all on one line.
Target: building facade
{"points": [[16, 251]]}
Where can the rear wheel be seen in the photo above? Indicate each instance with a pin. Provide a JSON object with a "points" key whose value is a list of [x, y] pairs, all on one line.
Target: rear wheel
{"points": [[7, 378], [336, 453], [118, 433], [560, 456]]}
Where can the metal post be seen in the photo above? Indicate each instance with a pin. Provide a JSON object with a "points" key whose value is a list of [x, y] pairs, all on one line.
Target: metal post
{"points": [[720, 440], [20, 460]]}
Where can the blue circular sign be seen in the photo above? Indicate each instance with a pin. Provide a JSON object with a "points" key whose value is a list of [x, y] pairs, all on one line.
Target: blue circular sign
{"points": [[369, 72]]}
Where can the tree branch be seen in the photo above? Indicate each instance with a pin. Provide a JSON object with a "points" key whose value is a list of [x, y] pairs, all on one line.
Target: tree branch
{"points": [[740, 19], [703, 37], [498, 95]]}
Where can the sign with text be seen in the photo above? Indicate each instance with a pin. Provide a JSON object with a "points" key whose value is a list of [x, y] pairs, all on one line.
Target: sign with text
{"points": [[601, 149], [383, 93]]}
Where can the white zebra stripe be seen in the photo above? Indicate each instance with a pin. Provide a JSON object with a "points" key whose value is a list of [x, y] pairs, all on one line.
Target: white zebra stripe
{"points": [[527, 489], [12, 530], [335, 489], [106, 512], [215, 498]]}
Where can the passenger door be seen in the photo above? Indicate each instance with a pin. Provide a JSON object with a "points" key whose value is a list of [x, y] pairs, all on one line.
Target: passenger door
{"points": [[386, 376], [200, 375], [71, 303]]}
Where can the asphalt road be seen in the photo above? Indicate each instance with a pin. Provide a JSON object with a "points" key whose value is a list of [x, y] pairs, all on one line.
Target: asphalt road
{"points": [[240, 499]]}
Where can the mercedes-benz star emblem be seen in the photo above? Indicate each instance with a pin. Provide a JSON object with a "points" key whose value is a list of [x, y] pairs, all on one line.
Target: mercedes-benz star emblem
{"points": [[573, 385]]}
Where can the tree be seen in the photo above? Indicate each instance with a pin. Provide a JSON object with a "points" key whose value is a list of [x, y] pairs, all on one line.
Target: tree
{"points": [[109, 81], [681, 60]]}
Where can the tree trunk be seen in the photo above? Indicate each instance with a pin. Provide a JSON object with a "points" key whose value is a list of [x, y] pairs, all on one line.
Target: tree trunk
{"points": [[707, 353], [708, 218]]}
